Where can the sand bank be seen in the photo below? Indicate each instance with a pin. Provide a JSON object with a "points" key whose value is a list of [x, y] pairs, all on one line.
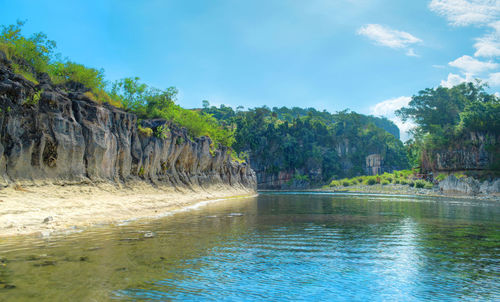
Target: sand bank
{"points": [[45, 209]]}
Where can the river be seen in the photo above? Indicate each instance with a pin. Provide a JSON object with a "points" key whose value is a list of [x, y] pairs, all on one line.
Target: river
{"points": [[277, 246]]}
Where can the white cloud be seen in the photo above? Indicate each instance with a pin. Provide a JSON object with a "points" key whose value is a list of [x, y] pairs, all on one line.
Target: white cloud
{"points": [[487, 46], [494, 79], [455, 79], [388, 107], [389, 37], [467, 12], [473, 66], [411, 53]]}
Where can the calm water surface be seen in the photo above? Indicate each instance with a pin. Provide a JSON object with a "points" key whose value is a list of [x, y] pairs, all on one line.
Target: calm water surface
{"points": [[314, 247]]}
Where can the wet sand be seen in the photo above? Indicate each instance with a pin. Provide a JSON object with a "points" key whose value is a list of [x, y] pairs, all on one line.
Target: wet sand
{"points": [[45, 209]]}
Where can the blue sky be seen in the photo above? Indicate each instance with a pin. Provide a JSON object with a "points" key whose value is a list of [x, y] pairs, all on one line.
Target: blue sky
{"points": [[366, 55]]}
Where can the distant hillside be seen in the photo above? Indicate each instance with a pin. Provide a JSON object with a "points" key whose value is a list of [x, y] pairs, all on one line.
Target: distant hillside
{"points": [[302, 147]]}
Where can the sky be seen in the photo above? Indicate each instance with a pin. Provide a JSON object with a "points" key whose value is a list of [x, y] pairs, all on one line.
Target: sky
{"points": [[369, 56]]}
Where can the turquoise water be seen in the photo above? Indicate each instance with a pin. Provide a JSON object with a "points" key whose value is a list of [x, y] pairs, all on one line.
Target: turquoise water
{"points": [[308, 247]]}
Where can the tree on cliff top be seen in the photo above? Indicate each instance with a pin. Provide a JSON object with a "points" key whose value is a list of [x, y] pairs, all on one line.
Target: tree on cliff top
{"points": [[445, 116]]}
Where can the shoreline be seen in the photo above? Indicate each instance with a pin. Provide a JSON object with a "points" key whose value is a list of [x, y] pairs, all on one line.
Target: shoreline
{"points": [[54, 209], [392, 189]]}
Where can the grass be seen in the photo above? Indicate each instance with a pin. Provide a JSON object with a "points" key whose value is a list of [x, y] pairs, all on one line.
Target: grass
{"points": [[26, 74], [403, 177]]}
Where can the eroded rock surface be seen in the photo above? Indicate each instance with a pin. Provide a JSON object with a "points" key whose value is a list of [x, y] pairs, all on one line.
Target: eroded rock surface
{"points": [[51, 134]]}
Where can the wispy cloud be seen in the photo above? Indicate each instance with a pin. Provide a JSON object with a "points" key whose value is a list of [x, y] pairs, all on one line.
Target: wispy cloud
{"points": [[387, 109], [472, 66], [489, 44], [479, 13], [455, 79], [494, 79], [464, 12], [389, 37]]}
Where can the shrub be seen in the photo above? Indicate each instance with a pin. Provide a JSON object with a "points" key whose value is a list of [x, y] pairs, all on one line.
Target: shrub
{"points": [[334, 183], [428, 185], [441, 177], [396, 181], [371, 181], [345, 183], [419, 184], [26, 74], [385, 182], [354, 181], [145, 131], [36, 50], [162, 131], [411, 184], [34, 99], [404, 182]]}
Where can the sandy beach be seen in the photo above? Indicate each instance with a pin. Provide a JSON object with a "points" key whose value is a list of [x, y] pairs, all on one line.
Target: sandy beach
{"points": [[45, 209]]}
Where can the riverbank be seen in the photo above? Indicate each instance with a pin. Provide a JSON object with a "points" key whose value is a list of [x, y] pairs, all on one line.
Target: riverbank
{"points": [[43, 210], [398, 189]]}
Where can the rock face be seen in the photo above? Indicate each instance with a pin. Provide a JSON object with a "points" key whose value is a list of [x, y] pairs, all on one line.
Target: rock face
{"points": [[477, 152], [58, 135], [469, 186], [374, 164]]}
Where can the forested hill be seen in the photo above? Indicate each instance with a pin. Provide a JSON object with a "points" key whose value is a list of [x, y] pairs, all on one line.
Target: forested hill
{"points": [[302, 147]]}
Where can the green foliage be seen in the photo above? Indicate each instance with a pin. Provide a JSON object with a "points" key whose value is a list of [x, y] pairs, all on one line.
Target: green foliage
{"points": [[346, 183], [145, 131], [149, 103], [162, 132], [446, 116], [26, 74], [62, 72], [36, 50], [34, 99], [371, 181], [179, 140], [307, 139], [441, 177]]}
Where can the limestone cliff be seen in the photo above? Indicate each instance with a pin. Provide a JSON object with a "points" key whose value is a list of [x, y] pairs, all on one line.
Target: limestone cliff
{"points": [[57, 134], [478, 152]]}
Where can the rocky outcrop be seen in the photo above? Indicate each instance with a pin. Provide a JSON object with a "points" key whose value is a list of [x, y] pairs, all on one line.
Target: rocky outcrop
{"points": [[476, 152], [469, 186], [374, 164], [59, 135]]}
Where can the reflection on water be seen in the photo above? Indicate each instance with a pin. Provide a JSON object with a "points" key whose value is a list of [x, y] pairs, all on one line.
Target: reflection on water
{"points": [[275, 246]]}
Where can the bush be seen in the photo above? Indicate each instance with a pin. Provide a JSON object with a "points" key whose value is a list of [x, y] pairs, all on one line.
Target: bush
{"points": [[404, 182], [419, 184], [345, 183], [371, 181], [411, 184], [385, 182], [428, 185], [396, 181], [441, 177], [334, 183], [33, 100], [145, 131], [162, 131]]}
